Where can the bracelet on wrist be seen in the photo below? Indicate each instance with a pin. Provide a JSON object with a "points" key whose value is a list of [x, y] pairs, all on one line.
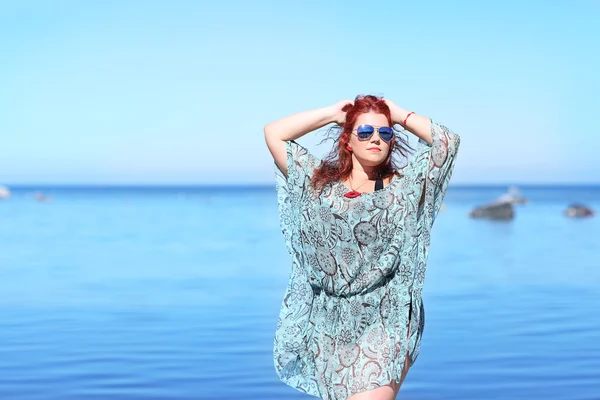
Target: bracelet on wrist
{"points": [[409, 114]]}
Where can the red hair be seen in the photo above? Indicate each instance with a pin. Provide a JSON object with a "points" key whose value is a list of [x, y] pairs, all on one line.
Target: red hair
{"points": [[337, 165]]}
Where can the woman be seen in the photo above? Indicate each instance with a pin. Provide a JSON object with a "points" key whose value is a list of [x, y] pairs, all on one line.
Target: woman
{"points": [[357, 226]]}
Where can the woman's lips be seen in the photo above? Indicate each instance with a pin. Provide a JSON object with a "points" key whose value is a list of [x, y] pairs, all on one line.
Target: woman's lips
{"points": [[374, 149]]}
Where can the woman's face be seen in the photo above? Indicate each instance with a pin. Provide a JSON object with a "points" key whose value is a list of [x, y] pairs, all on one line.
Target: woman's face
{"points": [[373, 151]]}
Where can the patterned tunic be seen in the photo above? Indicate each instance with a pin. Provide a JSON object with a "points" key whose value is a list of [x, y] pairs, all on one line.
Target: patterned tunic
{"points": [[358, 267]]}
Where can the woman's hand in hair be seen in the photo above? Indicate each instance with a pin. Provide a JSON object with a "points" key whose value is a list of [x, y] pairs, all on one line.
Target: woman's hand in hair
{"points": [[395, 111], [339, 109]]}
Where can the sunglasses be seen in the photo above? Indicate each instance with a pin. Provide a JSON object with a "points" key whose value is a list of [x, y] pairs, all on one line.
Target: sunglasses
{"points": [[365, 132]]}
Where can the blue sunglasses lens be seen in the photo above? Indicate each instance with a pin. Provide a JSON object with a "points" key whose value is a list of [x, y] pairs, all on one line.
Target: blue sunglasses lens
{"points": [[386, 133], [365, 131]]}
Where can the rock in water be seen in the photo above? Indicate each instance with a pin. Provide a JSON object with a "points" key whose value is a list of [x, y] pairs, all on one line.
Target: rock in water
{"points": [[578, 211], [4, 192], [498, 210]]}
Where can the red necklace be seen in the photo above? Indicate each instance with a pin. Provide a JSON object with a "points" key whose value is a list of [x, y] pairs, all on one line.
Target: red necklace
{"points": [[353, 193]]}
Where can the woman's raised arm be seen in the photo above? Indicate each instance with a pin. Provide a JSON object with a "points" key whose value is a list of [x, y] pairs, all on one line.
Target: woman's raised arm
{"points": [[297, 125], [416, 124]]}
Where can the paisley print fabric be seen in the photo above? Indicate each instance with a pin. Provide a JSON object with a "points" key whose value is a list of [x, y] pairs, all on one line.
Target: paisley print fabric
{"points": [[357, 273]]}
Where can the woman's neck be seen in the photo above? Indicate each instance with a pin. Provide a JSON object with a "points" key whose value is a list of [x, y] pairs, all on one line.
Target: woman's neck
{"points": [[361, 175]]}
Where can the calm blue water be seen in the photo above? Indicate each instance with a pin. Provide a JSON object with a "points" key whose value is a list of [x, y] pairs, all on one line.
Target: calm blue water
{"points": [[173, 293]]}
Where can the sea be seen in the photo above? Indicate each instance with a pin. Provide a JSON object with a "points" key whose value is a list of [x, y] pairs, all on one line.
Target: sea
{"points": [[173, 292]]}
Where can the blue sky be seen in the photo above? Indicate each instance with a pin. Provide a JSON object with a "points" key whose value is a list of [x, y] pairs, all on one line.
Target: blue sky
{"points": [[177, 92]]}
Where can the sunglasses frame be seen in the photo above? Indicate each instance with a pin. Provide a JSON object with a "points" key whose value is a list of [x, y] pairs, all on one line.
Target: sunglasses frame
{"points": [[375, 129]]}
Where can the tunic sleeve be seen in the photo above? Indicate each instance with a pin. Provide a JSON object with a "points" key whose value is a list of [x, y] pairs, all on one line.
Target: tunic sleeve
{"points": [[292, 335], [293, 190], [439, 158], [434, 163]]}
